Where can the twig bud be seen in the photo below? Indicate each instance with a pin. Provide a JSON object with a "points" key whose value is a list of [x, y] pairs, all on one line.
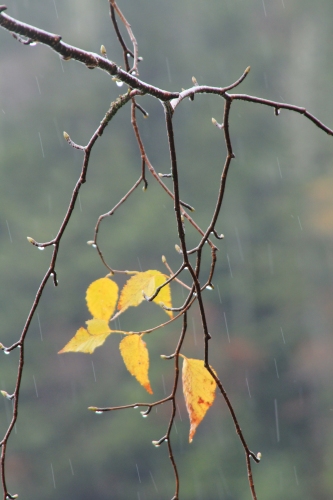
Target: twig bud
{"points": [[247, 70], [194, 80], [66, 136], [163, 259], [259, 455], [92, 408], [178, 249], [6, 395], [103, 51], [31, 240], [218, 125]]}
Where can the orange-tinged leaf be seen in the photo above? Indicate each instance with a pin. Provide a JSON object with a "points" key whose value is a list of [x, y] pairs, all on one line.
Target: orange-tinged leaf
{"points": [[101, 297], [199, 391], [136, 358], [86, 340], [146, 283]]}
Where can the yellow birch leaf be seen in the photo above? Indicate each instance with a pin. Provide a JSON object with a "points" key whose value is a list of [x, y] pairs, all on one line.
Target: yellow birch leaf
{"points": [[147, 282], [86, 340], [101, 297], [199, 391], [136, 358]]}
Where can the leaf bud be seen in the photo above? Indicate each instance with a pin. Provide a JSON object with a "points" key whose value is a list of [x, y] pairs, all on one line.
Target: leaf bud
{"points": [[90, 242], [92, 408], [163, 356], [6, 395], [66, 136], [2, 347], [156, 444], [103, 50], [163, 259], [31, 240], [259, 455], [194, 80], [214, 122], [178, 249], [247, 70]]}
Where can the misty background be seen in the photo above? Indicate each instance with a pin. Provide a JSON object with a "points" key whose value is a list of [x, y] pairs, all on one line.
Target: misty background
{"points": [[270, 314]]}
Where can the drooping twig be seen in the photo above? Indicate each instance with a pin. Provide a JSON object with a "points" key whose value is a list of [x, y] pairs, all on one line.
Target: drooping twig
{"points": [[29, 35]]}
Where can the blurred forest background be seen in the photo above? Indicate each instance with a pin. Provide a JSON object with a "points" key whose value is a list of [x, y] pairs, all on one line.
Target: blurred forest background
{"points": [[271, 312]]}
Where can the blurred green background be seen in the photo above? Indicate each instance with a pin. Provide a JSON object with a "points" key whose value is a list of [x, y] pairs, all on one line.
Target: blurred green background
{"points": [[270, 315]]}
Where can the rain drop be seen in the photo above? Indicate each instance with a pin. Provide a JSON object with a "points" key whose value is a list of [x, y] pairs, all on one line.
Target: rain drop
{"points": [[119, 83], [40, 248], [98, 412]]}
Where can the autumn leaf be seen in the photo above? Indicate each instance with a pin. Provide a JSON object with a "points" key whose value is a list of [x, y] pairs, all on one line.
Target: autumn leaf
{"points": [[146, 283], [199, 391], [86, 340], [136, 358], [101, 297]]}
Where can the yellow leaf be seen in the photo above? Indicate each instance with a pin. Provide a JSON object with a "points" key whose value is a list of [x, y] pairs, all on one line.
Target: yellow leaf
{"points": [[136, 358], [147, 282], [101, 297], [199, 391], [87, 340]]}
